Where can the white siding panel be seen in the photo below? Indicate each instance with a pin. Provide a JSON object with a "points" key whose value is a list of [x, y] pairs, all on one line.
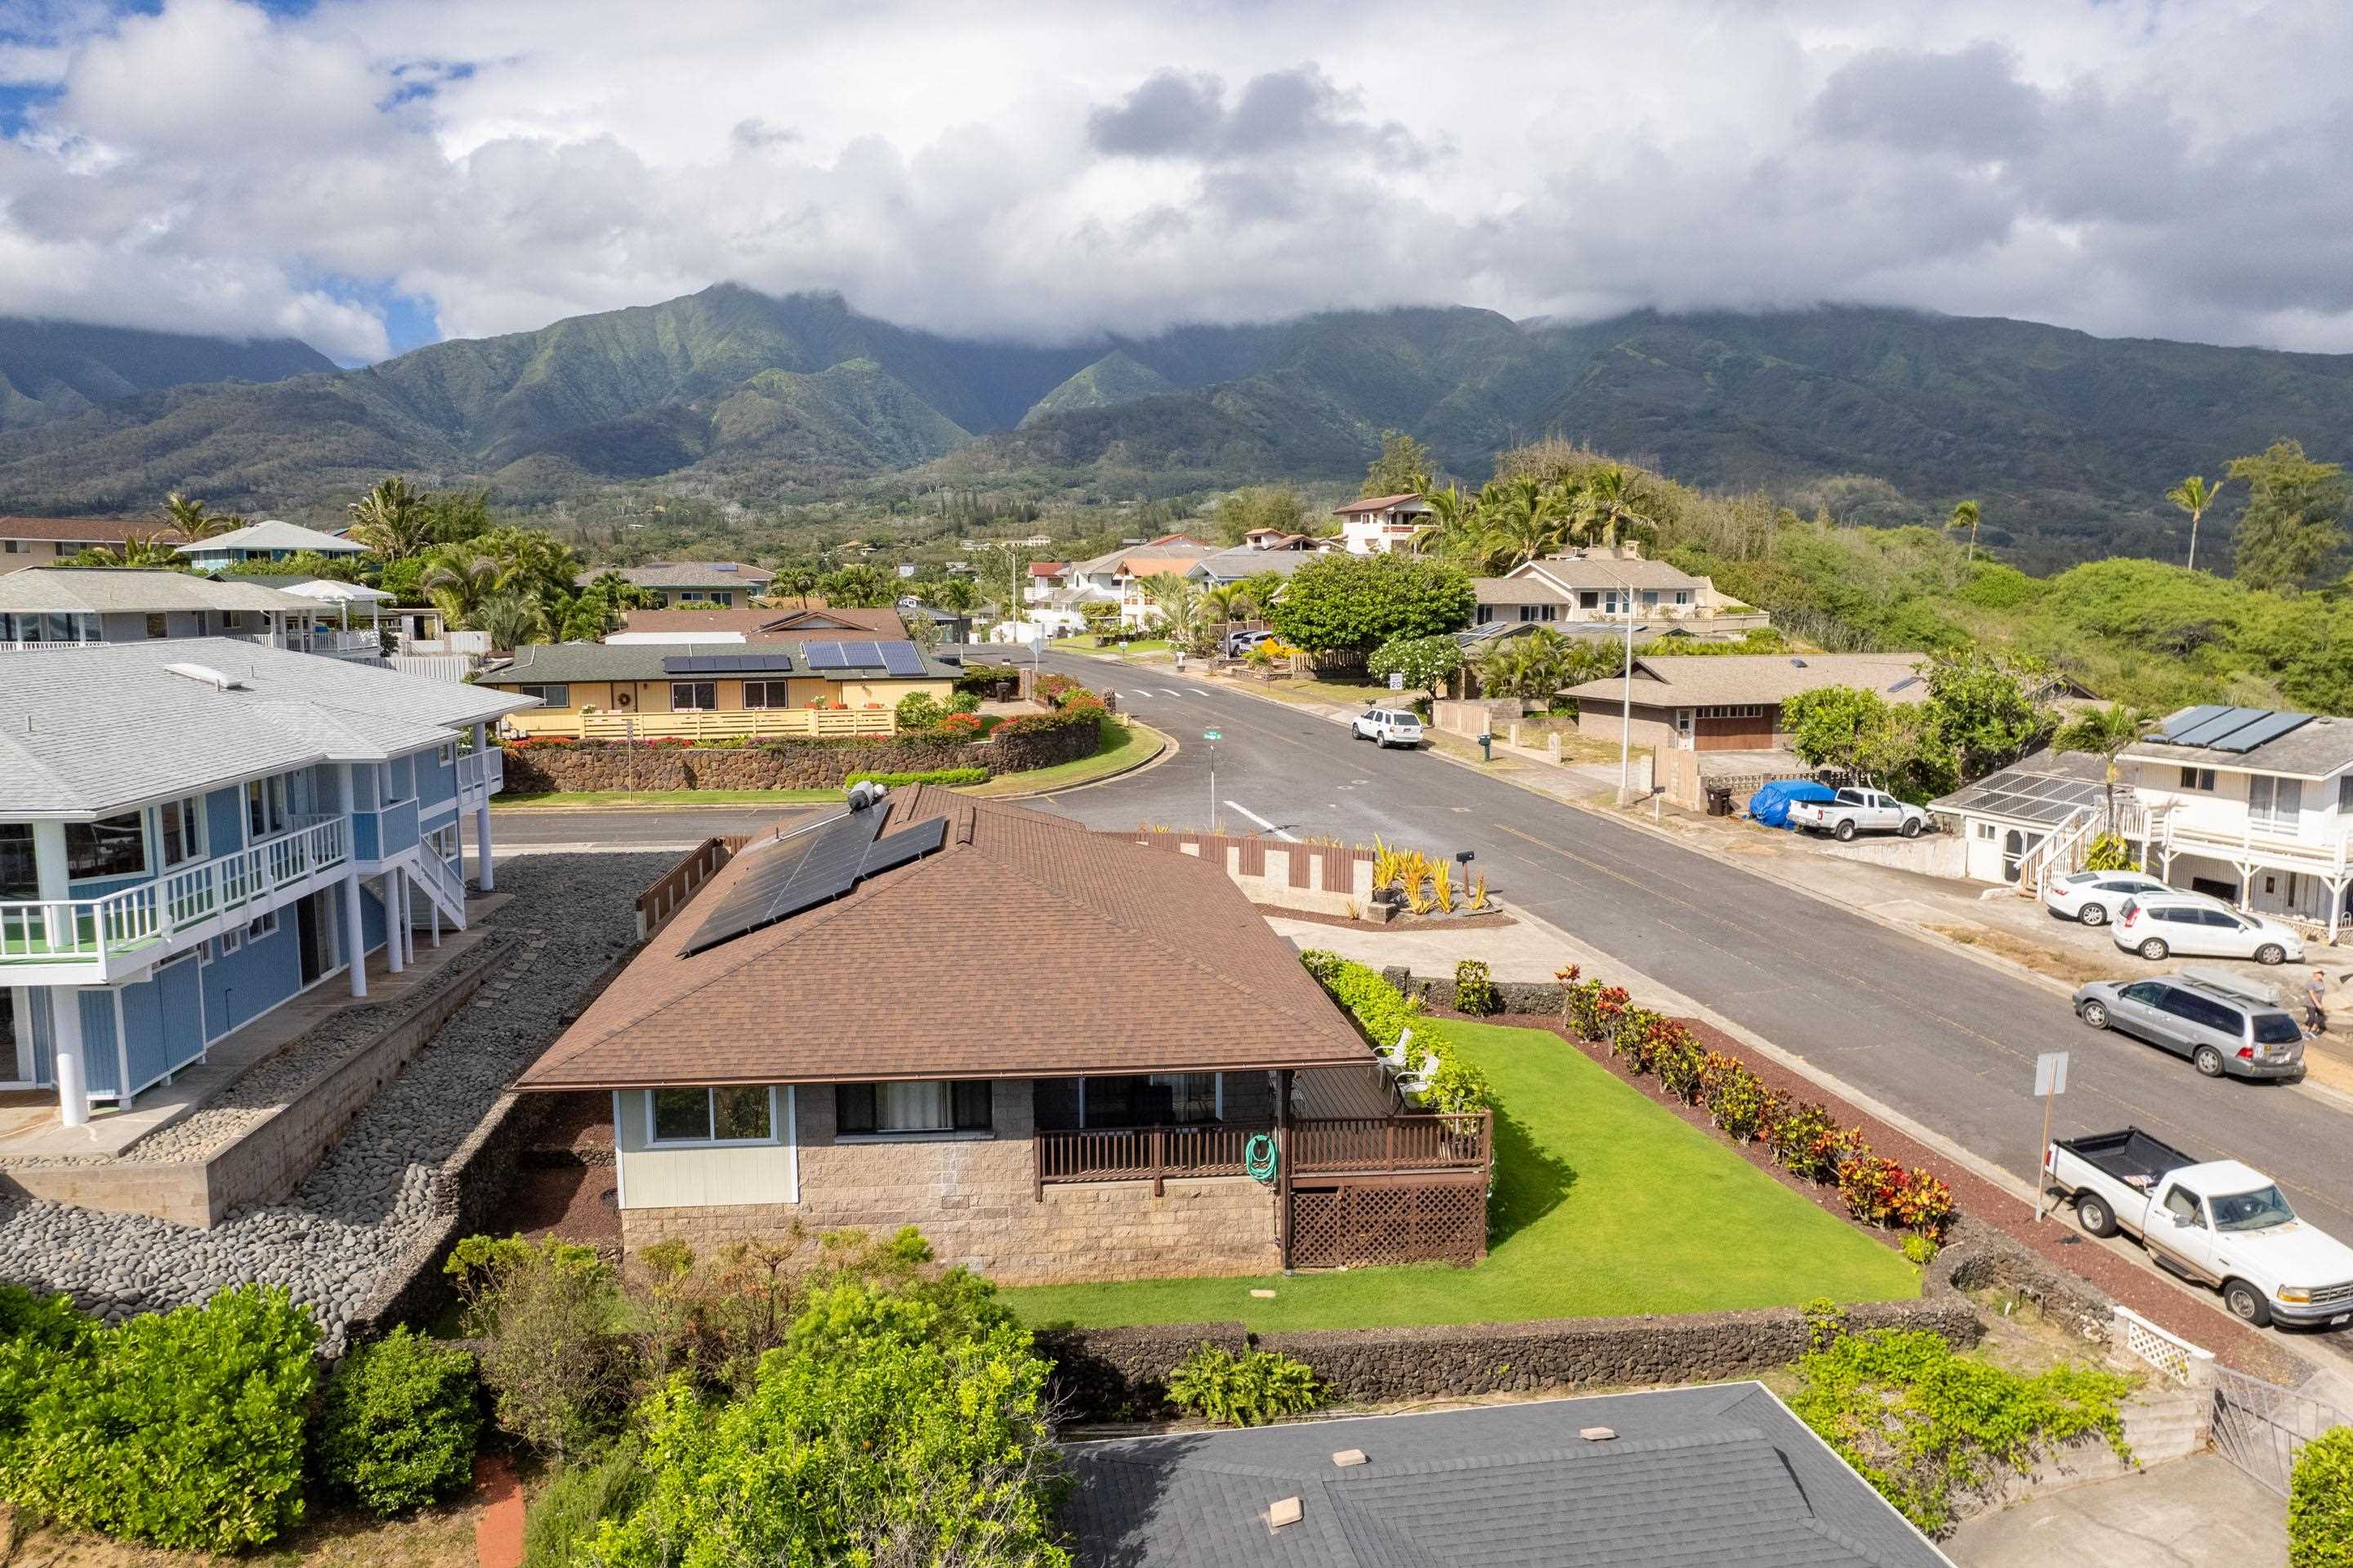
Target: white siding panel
{"points": [[694, 1178]]}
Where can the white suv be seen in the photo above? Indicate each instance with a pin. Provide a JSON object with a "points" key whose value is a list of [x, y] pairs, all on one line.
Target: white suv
{"points": [[1389, 727], [2158, 925]]}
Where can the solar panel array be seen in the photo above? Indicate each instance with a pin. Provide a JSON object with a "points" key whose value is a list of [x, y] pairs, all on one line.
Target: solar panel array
{"points": [[2237, 730], [901, 659], [727, 664], [2028, 796], [810, 868]]}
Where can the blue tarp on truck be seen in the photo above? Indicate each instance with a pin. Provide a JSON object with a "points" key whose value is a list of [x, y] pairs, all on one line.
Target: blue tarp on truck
{"points": [[1771, 804]]}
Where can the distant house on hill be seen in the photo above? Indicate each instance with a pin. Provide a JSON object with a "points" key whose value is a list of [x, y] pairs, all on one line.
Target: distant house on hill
{"points": [[769, 624], [727, 584], [268, 541], [1380, 524], [46, 541]]}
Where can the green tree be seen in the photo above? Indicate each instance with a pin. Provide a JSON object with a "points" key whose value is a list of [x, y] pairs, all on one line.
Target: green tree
{"points": [[1608, 499], [1858, 730], [455, 516], [2320, 1502], [391, 521], [1182, 611], [1356, 603], [857, 588], [1984, 712], [799, 581], [1276, 506], [957, 595], [1964, 515], [1402, 468], [512, 619], [2193, 496], [2290, 533], [1529, 664], [187, 518], [136, 550], [2102, 733], [1520, 520], [1098, 617], [1425, 663], [302, 564]]}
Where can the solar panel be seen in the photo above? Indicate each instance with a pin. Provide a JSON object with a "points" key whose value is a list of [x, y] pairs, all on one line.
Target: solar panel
{"points": [[810, 868], [862, 656], [2269, 727], [2215, 728], [2189, 719], [727, 663], [823, 655], [902, 658]]}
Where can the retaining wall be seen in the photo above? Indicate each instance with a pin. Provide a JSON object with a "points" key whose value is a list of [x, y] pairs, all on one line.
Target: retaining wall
{"points": [[786, 764], [1524, 997]]}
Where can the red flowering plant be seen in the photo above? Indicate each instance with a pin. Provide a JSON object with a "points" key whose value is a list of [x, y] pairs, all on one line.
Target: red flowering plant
{"points": [[1923, 1204], [1871, 1185], [962, 724], [1736, 1099]]}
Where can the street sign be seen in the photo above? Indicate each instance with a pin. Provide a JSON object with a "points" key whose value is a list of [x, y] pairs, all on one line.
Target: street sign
{"points": [[1211, 735], [1397, 680], [2051, 1072]]}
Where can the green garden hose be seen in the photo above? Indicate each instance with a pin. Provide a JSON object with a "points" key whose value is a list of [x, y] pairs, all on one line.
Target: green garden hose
{"points": [[1258, 1157]]}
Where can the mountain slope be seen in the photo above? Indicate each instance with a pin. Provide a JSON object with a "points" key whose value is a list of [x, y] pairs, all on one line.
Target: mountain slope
{"points": [[2070, 440], [54, 370]]}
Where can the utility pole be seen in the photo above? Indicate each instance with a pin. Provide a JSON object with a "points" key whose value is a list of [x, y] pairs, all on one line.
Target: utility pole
{"points": [[1626, 696]]}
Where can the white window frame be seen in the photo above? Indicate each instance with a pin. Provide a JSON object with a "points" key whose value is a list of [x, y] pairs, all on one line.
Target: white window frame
{"points": [[192, 831], [2277, 793], [228, 942], [263, 925], [710, 1118], [446, 754]]}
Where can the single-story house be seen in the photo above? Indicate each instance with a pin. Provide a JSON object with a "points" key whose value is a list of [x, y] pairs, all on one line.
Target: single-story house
{"points": [[728, 584], [46, 541], [768, 624], [650, 690], [2006, 815], [847, 1026], [1380, 524], [1660, 1479], [1118, 578], [271, 540], [1598, 585], [50, 605], [1239, 565], [1732, 701]]}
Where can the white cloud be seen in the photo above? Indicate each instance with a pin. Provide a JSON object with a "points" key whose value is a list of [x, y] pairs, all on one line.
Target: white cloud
{"points": [[2137, 166]]}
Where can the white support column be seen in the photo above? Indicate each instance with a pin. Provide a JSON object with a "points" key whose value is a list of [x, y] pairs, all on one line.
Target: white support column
{"points": [[433, 918], [354, 934], [396, 920], [66, 1047], [482, 877]]}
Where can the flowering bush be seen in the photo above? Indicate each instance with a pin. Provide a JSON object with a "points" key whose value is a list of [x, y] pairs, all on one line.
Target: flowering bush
{"points": [[964, 725], [1681, 1064], [1593, 1009], [1871, 1186], [1923, 1203], [1737, 1100], [1050, 689], [1797, 1136]]}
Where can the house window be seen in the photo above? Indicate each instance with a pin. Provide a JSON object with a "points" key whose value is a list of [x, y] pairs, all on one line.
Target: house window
{"points": [[2345, 795], [2198, 778], [731, 1115], [2274, 803], [19, 877], [935, 1104], [228, 942], [554, 696], [1158, 1100], [1986, 830], [767, 693], [183, 823], [1487, 613], [265, 806], [1683, 595], [157, 626], [447, 754], [114, 846], [265, 926], [690, 696]]}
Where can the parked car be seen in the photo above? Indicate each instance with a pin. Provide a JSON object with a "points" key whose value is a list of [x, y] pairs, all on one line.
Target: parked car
{"points": [[2094, 898], [2217, 1221], [2156, 926], [1240, 642], [2223, 1024], [1389, 727], [1856, 811]]}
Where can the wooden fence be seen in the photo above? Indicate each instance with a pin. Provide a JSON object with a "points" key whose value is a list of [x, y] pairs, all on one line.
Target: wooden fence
{"points": [[715, 724], [1320, 1146]]}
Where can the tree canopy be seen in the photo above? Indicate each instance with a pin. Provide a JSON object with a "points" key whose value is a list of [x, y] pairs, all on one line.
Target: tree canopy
{"points": [[1355, 603], [1425, 663], [2292, 532], [1402, 468]]}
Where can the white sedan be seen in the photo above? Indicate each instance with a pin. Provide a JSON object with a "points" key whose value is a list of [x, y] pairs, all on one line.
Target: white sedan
{"points": [[2094, 897]]}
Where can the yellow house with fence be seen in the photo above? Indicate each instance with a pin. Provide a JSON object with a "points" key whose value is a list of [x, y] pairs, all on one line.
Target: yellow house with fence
{"points": [[595, 691]]}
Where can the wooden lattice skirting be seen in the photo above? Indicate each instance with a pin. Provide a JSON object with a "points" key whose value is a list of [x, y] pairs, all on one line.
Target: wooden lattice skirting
{"points": [[1358, 1222]]}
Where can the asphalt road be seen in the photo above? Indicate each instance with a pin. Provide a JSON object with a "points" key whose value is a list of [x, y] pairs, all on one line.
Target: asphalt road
{"points": [[1939, 1037]]}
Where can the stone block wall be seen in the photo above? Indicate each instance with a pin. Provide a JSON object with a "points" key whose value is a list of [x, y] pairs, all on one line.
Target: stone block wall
{"points": [[974, 1199], [786, 764], [1525, 997]]}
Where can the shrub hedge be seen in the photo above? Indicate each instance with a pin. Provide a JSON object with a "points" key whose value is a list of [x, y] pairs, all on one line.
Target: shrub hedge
{"points": [[1802, 1135], [1384, 1013], [2320, 1503], [934, 776], [1248, 1389], [397, 1428]]}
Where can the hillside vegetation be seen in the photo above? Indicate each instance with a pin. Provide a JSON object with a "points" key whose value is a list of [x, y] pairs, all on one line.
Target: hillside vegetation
{"points": [[1869, 416], [55, 370]]}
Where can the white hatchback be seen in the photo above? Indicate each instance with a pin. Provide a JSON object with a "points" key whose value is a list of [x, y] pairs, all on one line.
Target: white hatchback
{"points": [[1389, 727], [2096, 897], [2192, 923]]}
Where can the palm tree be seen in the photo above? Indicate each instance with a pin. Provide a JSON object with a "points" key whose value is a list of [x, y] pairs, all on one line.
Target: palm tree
{"points": [[138, 550], [1526, 664], [461, 582], [1454, 527], [2193, 496], [2102, 733], [390, 521], [1179, 603], [1520, 521], [1606, 503], [511, 620], [1964, 515], [798, 580], [188, 519]]}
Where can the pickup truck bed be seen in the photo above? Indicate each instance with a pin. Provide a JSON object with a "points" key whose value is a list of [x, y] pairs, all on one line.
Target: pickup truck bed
{"points": [[2132, 1156]]}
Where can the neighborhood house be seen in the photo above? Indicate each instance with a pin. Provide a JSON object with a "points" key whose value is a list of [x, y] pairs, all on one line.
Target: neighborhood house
{"points": [[153, 898], [724, 583], [1381, 523], [1064, 1054], [1599, 588], [46, 541], [767, 624], [65, 606], [269, 540], [601, 690], [1732, 701]]}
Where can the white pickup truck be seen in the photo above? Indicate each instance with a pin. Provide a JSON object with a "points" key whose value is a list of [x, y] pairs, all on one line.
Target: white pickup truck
{"points": [[2217, 1221], [1856, 811]]}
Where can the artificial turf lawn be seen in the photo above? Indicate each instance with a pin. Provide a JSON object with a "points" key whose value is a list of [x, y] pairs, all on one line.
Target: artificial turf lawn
{"points": [[1605, 1204]]}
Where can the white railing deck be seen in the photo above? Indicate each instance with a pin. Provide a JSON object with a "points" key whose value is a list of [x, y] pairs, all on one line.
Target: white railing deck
{"points": [[91, 930], [2267, 846], [47, 647]]}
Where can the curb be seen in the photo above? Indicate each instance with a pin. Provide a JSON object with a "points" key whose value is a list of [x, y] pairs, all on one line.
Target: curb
{"points": [[1168, 748]]}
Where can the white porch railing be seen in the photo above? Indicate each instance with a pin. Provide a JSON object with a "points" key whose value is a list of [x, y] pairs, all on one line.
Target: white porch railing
{"points": [[440, 885], [2058, 852], [47, 647], [480, 771], [2279, 851], [91, 930]]}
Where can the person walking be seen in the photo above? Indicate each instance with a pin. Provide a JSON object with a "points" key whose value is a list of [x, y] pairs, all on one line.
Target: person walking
{"points": [[2315, 1005]]}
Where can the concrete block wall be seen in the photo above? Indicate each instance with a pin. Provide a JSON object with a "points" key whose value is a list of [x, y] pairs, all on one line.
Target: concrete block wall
{"points": [[1327, 879]]}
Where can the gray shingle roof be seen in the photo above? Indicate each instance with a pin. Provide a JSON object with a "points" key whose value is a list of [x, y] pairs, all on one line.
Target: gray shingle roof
{"points": [[102, 588], [273, 534], [549, 662], [1233, 565], [1604, 573], [1695, 1476], [88, 731], [687, 575]]}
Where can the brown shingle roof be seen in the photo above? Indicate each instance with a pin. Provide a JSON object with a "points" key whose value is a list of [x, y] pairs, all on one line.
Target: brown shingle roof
{"points": [[772, 624], [1026, 947], [1375, 504], [687, 575], [78, 530], [1698, 679]]}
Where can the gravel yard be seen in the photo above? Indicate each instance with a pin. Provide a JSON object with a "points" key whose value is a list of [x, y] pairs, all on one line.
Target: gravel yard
{"points": [[371, 1195]]}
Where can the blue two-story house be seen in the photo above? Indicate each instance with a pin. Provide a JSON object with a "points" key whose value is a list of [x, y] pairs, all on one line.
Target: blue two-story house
{"points": [[194, 831]]}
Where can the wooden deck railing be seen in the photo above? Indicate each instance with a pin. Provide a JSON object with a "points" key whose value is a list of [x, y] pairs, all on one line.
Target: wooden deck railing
{"points": [[1324, 1146], [656, 904]]}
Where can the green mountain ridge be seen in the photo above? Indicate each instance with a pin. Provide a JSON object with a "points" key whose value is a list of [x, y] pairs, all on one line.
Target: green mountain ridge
{"points": [[56, 370], [2070, 440]]}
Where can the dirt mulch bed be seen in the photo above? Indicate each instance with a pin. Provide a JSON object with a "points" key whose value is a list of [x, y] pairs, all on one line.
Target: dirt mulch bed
{"points": [[1452, 923], [576, 1203], [2056, 1239]]}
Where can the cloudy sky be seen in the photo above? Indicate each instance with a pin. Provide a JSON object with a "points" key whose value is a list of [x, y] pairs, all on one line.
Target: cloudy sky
{"points": [[371, 174]]}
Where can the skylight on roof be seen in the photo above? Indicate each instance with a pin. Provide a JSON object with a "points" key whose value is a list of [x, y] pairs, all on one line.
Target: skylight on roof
{"points": [[219, 679]]}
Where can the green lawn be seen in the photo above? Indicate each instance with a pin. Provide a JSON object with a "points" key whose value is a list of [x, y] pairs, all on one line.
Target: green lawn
{"points": [[1605, 1205], [664, 798], [1120, 746]]}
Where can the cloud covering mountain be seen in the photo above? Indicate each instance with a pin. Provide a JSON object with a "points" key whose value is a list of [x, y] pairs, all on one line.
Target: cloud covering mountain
{"points": [[369, 174]]}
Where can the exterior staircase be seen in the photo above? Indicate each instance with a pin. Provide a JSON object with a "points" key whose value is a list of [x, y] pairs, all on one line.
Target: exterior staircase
{"points": [[438, 884]]}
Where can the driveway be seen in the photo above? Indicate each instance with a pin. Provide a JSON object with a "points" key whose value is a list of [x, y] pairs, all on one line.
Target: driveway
{"points": [[2188, 1513]]}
